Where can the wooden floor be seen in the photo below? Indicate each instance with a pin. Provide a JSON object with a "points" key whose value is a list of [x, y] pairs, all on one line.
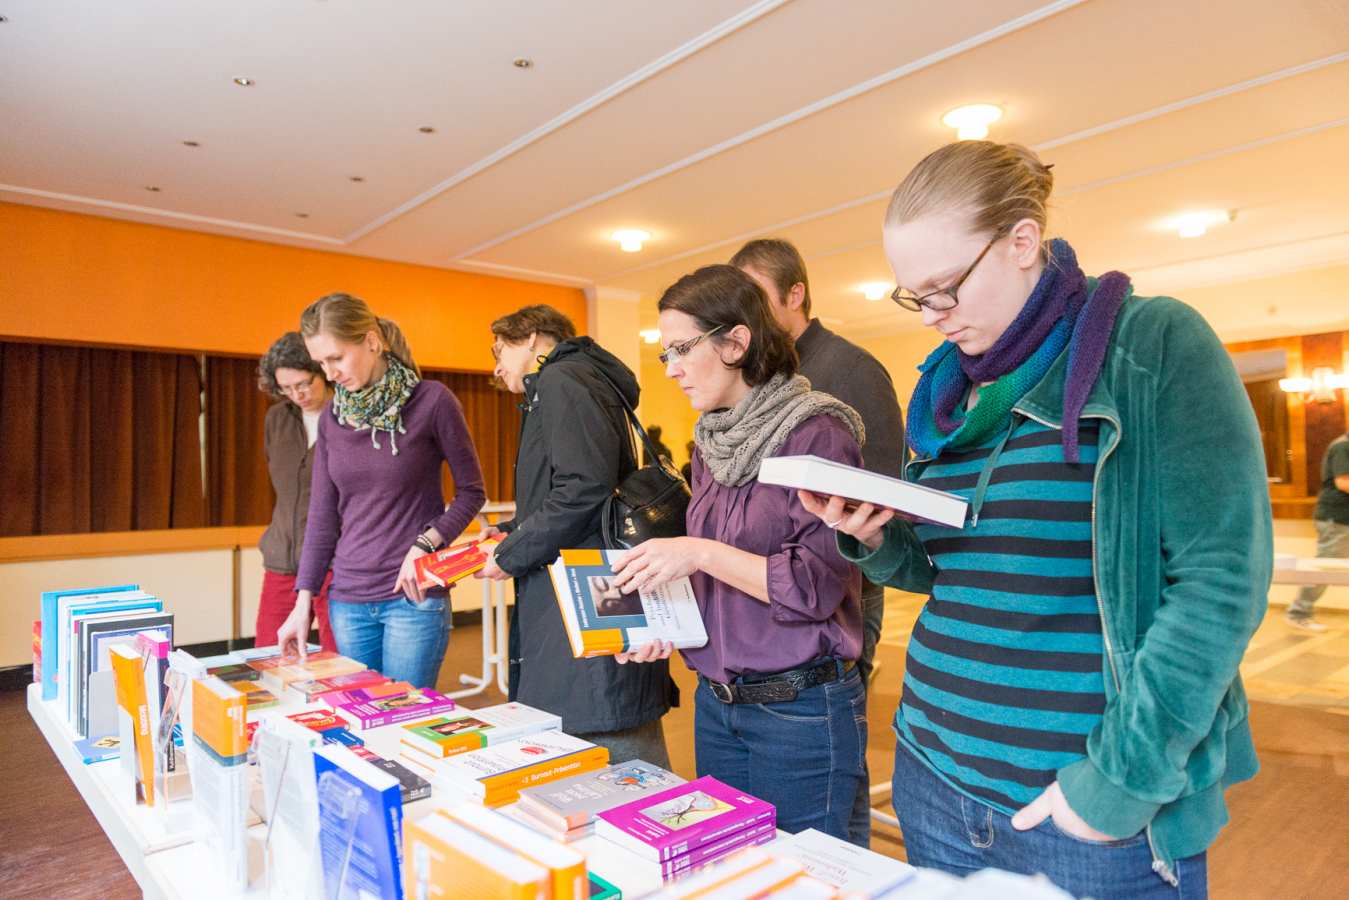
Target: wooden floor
{"points": [[1288, 835]]}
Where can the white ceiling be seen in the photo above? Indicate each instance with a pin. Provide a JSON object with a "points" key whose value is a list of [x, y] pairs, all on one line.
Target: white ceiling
{"points": [[703, 123]]}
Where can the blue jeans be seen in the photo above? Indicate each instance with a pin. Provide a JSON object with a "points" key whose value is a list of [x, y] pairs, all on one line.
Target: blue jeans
{"points": [[1332, 542], [806, 756], [404, 640], [944, 829]]}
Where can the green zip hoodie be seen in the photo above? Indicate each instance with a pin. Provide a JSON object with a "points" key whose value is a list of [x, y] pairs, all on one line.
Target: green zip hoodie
{"points": [[1183, 553]]}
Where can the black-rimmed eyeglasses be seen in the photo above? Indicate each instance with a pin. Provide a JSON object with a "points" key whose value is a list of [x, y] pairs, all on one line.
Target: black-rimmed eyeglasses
{"points": [[945, 298]]}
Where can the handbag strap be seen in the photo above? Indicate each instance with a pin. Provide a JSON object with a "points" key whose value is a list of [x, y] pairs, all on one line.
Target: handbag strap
{"points": [[632, 418]]}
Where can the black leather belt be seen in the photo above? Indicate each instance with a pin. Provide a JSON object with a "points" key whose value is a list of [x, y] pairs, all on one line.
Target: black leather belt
{"points": [[780, 687]]}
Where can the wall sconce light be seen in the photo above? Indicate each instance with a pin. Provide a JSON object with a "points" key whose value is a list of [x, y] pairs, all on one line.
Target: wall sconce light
{"points": [[1320, 388], [650, 335]]}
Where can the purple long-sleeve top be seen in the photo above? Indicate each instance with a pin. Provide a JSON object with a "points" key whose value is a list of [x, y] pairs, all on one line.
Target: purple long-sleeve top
{"points": [[813, 607], [367, 506]]}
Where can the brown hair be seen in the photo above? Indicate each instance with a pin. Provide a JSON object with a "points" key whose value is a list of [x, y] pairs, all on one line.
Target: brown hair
{"points": [[780, 261], [288, 352], [723, 297], [540, 319], [1000, 184], [349, 319]]}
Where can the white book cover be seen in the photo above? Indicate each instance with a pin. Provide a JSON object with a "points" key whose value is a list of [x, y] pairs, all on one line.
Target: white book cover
{"points": [[220, 811], [601, 620], [450, 732], [473, 768], [834, 479], [846, 866], [285, 753]]}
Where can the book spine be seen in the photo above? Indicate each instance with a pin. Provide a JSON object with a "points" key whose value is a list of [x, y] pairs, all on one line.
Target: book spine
{"points": [[505, 788], [675, 845], [749, 837], [397, 716]]}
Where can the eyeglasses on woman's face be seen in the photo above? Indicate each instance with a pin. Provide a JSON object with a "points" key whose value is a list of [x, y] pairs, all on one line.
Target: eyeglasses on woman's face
{"points": [[297, 389], [680, 349], [944, 298]]}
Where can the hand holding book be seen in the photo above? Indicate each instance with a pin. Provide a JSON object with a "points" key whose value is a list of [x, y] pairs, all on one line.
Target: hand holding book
{"points": [[862, 521], [649, 652]]}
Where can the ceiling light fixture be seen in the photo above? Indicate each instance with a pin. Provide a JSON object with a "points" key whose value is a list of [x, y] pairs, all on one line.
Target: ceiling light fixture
{"points": [[191, 144], [971, 122], [522, 62], [152, 188], [875, 290], [650, 335], [302, 215], [1321, 387], [244, 82], [630, 240], [358, 178], [427, 129], [1197, 224]]}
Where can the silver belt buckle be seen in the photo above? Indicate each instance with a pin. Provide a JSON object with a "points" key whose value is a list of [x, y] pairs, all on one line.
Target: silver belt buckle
{"points": [[721, 691]]}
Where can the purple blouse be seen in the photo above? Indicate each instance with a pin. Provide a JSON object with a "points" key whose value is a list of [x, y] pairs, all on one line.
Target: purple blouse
{"points": [[366, 506], [814, 608]]}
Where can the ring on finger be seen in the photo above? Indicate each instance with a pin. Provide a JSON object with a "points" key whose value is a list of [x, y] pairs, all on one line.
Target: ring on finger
{"points": [[834, 524]]}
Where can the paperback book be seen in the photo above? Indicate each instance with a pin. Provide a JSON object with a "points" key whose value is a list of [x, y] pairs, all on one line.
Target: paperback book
{"points": [[446, 567], [574, 802], [495, 775], [472, 729], [360, 827], [445, 859], [601, 620], [846, 866], [827, 478], [335, 698], [681, 819], [418, 703], [566, 867], [219, 763], [52, 603]]}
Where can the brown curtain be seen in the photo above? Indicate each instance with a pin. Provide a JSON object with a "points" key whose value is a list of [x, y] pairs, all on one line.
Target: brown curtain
{"points": [[98, 440], [239, 491], [494, 421]]}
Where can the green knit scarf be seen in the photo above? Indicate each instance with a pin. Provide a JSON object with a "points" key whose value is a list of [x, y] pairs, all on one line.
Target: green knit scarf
{"points": [[378, 406]]}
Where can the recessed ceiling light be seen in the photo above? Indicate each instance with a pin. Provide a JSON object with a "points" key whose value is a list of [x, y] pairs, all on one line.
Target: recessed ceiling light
{"points": [[302, 215], [4, 19], [357, 178], [427, 129], [191, 143], [1197, 224], [152, 188], [630, 240], [650, 335], [244, 82], [875, 290], [971, 122], [522, 62]]}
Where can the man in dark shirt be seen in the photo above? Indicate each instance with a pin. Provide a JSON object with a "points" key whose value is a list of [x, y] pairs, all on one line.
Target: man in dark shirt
{"points": [[1332, 529]]}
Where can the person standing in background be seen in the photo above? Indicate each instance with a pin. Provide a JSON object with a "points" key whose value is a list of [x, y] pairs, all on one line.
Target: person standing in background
{"points": [[575, 448], [654, 432], [289, 432], [375, 502], [1332, 529]]}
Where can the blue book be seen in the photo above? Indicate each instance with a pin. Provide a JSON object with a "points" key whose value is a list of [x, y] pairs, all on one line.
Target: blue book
{"points": [[50, 601], [360, 827]]}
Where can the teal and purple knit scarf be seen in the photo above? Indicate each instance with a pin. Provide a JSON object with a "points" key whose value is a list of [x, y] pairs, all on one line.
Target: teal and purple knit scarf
{"points": [[1060, 312]]}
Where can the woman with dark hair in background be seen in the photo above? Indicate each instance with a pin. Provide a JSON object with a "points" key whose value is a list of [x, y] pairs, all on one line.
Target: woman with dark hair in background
{"points": [[376, 503], [289, 433], [780, 710]]}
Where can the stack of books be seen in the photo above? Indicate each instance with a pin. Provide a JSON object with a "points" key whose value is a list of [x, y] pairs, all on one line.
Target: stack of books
{"points": [[472, 729], [279, 673], [850, 869], [495, 775], [752, 873], [309, 691], [335, 698], [689, 826], [565, 810], [469, 851], [394, 709]]}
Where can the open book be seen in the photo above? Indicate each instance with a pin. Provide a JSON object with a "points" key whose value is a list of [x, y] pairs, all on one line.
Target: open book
{"points": [[834, 479], [601, 620]]}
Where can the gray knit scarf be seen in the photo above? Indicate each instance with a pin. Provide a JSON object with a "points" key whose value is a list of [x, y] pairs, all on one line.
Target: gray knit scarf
{"points": [[734, 441]]}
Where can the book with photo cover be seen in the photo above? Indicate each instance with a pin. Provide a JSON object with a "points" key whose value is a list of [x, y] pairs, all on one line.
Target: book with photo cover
{"points": [[601, 620], [335, 698], [827, 478], [574, 802], [683, 818], [418, 703]]}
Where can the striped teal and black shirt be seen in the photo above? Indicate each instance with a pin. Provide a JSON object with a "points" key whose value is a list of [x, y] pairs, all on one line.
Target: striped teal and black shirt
{"points": [[1004, 678]]}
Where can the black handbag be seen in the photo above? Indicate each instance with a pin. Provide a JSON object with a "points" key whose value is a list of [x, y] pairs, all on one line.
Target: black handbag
{"points": [[651, 501]]}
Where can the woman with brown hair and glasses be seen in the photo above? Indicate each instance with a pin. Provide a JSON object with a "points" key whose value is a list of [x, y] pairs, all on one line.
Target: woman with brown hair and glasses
{"points": [[289, 432]]}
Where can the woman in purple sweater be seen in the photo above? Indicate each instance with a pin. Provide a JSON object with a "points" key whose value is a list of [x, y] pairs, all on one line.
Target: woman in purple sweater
{"points": [[779, 710], [375, 502]]}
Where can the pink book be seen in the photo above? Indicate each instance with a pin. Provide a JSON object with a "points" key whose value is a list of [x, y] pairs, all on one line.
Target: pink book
{"points": [[687, 862], [415, 704], [673, 822], [308, 691], [334, 699]]}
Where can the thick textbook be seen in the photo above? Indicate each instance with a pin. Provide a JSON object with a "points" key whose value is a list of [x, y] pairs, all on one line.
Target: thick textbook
{"points": [[565, 866], [495, 775], [834, 479], [472, 729], [601, 620], [394, 709], [446, 861], [574, 802], [683, 818], [846, 866], [360, 827]]}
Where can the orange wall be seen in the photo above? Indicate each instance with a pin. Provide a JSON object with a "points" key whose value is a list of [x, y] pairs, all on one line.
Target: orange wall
{"points": [[71, 277]]}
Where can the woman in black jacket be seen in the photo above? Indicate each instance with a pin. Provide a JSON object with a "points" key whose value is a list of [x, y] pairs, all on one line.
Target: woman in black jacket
{"points": [[574, 450]]}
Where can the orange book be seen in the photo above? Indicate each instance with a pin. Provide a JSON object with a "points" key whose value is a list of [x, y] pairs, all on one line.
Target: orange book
{"points": [[506, 788], [219, 720], [445, 567], [565, 866], [130, 679], [443, 859]]}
